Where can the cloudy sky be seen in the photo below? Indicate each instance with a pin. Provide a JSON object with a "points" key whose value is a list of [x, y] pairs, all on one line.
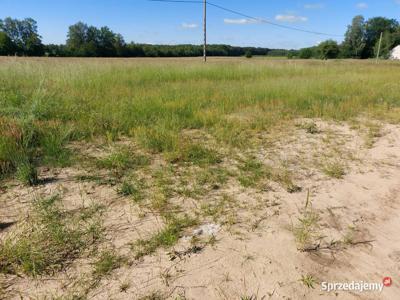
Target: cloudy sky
{"points": [[171, 23]]}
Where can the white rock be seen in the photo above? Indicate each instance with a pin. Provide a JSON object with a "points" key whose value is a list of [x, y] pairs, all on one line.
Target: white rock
{"points": [[207, 229]]}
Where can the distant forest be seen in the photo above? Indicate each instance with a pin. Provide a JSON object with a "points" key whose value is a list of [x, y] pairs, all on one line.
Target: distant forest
{"points": [[21, 37]]}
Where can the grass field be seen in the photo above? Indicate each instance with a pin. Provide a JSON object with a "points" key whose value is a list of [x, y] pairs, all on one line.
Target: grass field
{"points": [[47, 103], [161, 131]]}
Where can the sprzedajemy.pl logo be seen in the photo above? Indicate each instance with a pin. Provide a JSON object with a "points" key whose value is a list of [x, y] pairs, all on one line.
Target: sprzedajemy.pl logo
{"points": [[356, 286]]}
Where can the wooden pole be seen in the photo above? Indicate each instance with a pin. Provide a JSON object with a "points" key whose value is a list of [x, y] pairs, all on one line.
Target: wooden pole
{"points": [[205, 31], [379, 47]]}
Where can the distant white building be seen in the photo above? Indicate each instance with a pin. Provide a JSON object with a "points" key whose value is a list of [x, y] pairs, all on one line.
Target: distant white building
{"points": [[395, 53]]}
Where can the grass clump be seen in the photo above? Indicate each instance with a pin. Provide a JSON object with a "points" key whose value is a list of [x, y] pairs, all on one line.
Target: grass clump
{"points": [[310, 127], [27, 173], [195, 154], [153, 296], [213, 177], [220, 210], [48, 241], [53, 139], [167, 237], [133, 188], [305, 231], [251, 172], [123, 159], [17, 143], [157, 139], [107, 262], [308, 280], [26, 142], [374, 131], [334, 170]]}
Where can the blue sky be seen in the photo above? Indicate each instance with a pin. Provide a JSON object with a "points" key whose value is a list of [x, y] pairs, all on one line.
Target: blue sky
{"points": [[169, 23]]}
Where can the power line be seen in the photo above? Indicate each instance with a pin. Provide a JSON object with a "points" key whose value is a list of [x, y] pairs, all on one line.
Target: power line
{"points": [[261, 20], [269, 22]]}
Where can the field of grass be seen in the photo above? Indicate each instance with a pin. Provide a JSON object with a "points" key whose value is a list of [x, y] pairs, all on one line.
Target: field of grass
{"points": [[171, 129], [45, 104]]}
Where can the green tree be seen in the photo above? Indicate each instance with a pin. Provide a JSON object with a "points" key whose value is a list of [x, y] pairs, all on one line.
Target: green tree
{"points": [[77, 39], [328, 49], [373, 29], [354, 43], [106, 39], [24, 34], [389, 41], [120, 46], [306, 53], [7, 47]]}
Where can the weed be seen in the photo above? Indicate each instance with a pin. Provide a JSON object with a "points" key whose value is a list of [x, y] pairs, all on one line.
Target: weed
{"points": [[334, 169], [157, 139], [107, 262], [133, 188], [195, 154], [348, 238], [53, 138], [214, 177], [305, 231], [167, 237], [374, 131], [124, 287], [252, 171], [153, 296], [218, 209], [252, 297], [311, 127], [27, 173], [308, 280], [123, 159]]}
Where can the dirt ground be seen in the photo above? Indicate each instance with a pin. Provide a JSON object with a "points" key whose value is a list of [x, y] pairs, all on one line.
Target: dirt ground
{"points": [[355, 239]]}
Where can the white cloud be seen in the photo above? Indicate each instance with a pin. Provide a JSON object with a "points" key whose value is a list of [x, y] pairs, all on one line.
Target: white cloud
{"points": [[190, 25], [362, 5], [290, 18], [314, 5], [240, 21]]}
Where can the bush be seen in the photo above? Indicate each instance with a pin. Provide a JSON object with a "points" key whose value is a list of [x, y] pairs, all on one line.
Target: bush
{"points": [[329, 49], [306, 53]]}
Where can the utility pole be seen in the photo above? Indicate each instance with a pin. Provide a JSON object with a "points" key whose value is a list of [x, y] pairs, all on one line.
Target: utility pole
{"points": [[379, 47], [205, 31]]}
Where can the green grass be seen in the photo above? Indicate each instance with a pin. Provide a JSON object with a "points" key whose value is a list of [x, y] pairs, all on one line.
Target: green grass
{"points": [[306, 229], [44, 106], [49, 240], [252, 172], [167, 237], [133, 188], [123, 159], [107, 262], [309, 281], [334, 169]]}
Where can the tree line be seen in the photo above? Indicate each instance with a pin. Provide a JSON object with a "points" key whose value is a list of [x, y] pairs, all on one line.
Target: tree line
{"points": [[21, 37], [361, 41]]}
